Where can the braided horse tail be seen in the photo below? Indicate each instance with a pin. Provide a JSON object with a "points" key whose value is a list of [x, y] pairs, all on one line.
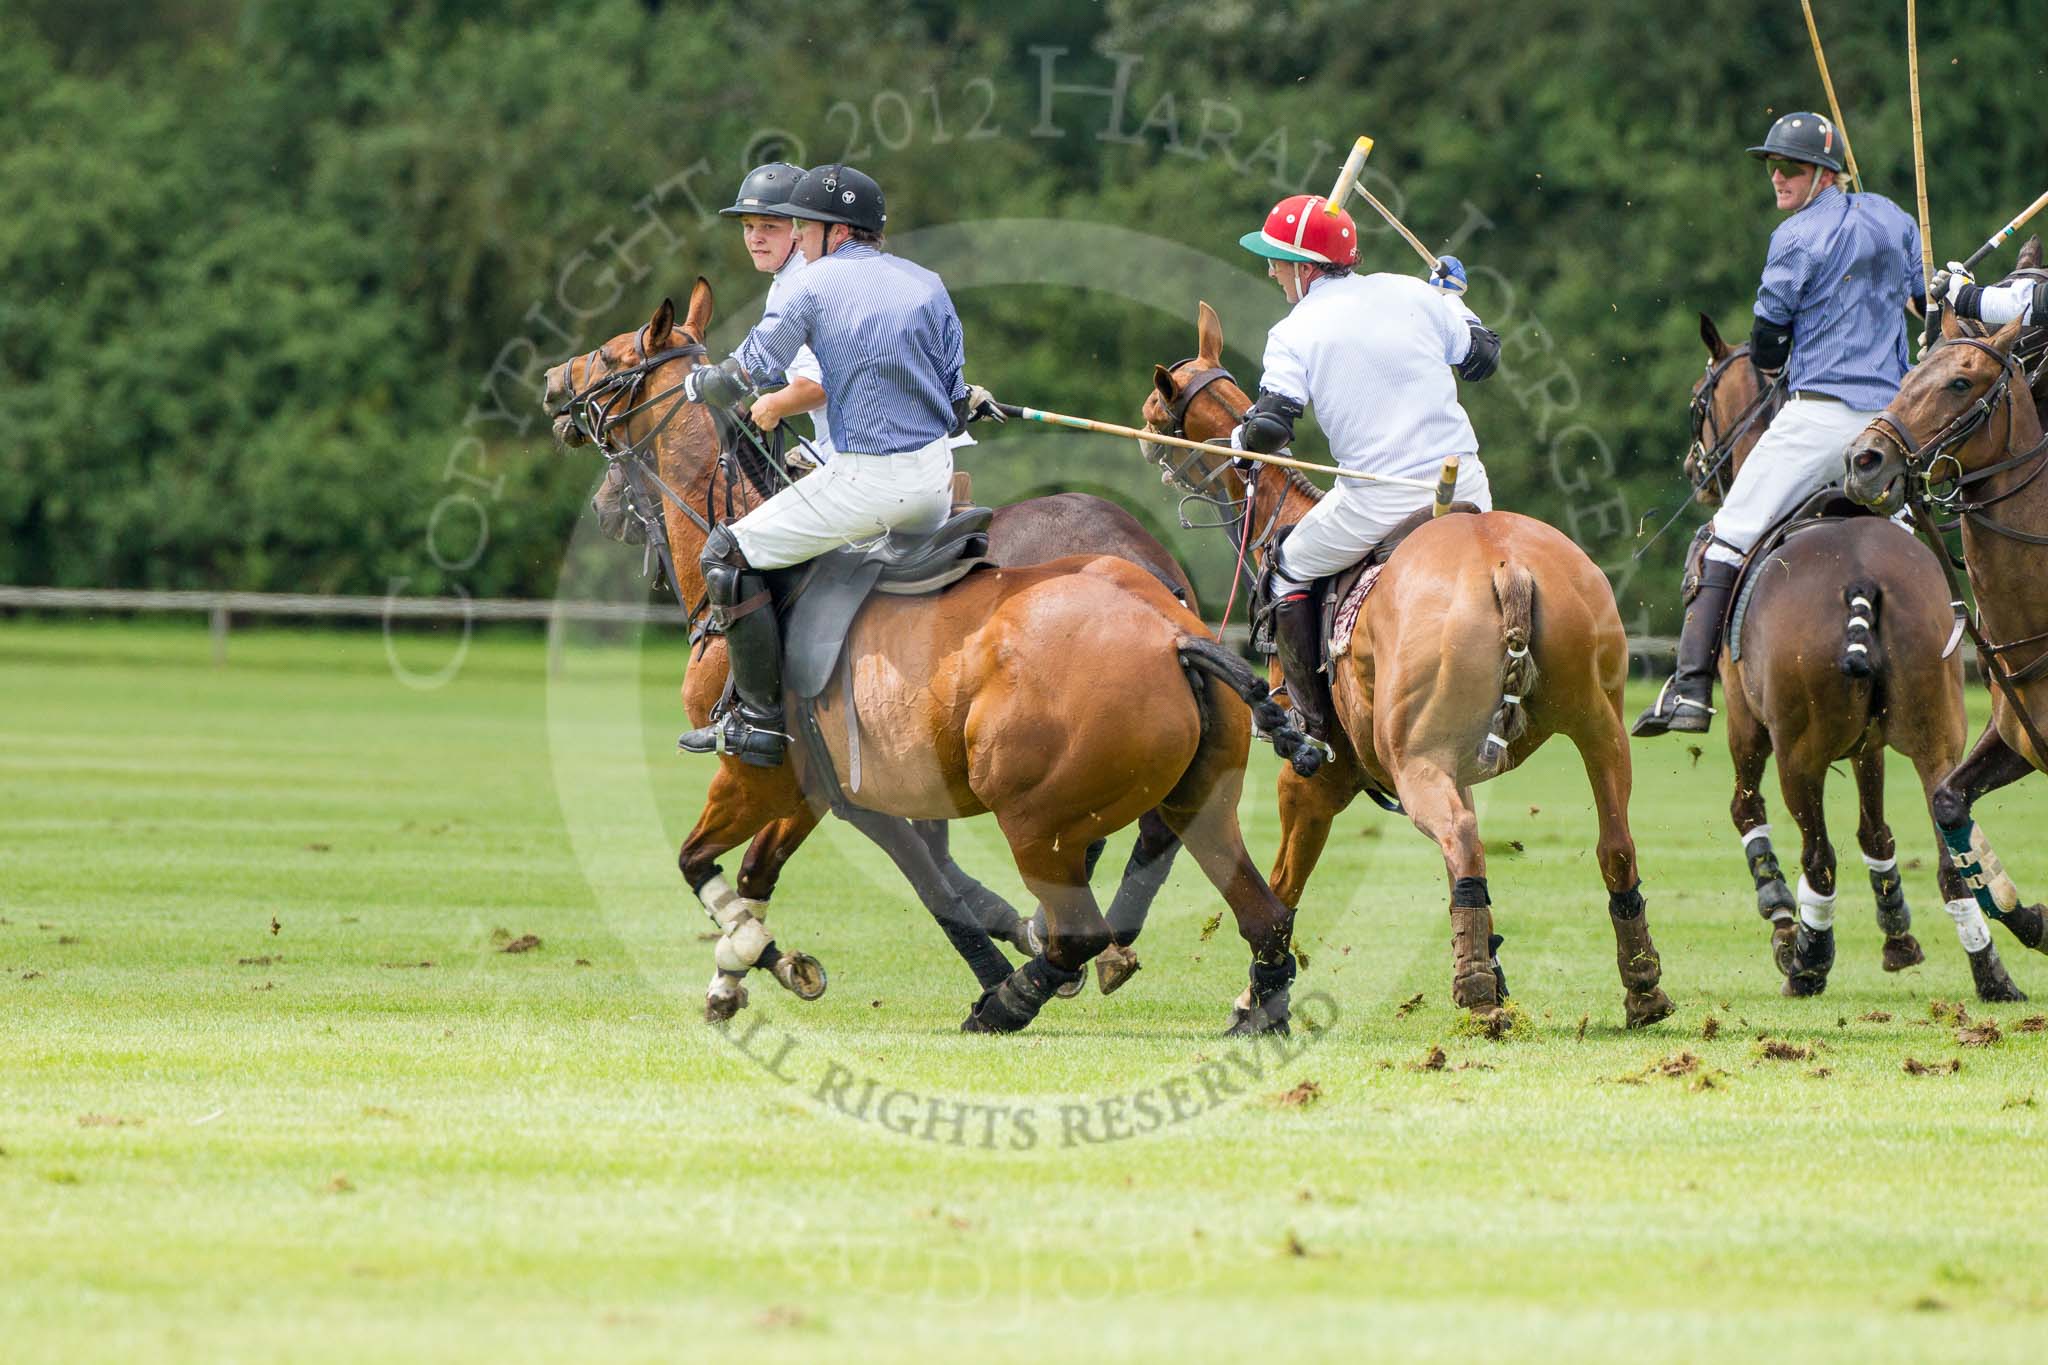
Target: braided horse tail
{"points": [[1515, 590]]}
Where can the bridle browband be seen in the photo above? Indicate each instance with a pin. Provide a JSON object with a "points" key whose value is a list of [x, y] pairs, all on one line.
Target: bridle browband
{"points": [[1764, 408], [1235, 512]]}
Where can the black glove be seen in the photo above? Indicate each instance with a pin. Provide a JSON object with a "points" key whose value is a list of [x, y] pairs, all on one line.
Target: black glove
{"points": [[720, 385]]}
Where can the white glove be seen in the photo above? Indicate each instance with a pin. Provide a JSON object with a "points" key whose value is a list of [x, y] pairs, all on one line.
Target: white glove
{"points": [[1947, 285]]}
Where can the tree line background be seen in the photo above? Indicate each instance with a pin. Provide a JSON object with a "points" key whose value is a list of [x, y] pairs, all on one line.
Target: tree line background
{"points": [[263, 258]]}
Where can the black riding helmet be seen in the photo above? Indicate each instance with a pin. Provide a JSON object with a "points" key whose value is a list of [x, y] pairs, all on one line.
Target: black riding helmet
{"points": [[838, 194], [1803, 137], [765, 191]]}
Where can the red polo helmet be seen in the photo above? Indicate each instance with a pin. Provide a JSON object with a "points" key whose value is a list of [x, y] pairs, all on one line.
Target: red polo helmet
{"points": [[1301, 228]]}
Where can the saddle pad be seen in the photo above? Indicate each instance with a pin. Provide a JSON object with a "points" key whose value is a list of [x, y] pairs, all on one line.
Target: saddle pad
{"points": [[815, 628], [1347, 611]]}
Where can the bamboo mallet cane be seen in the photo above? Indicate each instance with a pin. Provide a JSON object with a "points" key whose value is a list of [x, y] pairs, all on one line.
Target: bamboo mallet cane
{"points": [[1834, 105], [1920, 168], [1347, 183], [1160, 438]]}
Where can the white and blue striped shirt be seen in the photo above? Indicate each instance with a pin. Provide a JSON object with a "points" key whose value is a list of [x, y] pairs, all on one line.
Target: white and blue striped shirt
{"points": [[885, 335]]}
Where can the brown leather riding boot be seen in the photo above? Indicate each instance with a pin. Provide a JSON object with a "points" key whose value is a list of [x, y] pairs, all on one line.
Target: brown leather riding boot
{"points": [[1295, 628]]}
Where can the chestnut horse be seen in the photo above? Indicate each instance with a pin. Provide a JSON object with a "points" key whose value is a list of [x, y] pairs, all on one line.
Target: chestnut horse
{"points": [[1964, 436], [1067, 699], [1481, 627], [1842, 646]]}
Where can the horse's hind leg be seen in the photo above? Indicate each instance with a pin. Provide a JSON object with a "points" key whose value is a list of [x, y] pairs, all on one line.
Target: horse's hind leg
{"points": [[1309, 806], [1992, 764], [1808, 958], [1749, 744], [1442, 810], [735, 809], [1144, 874], [1605, 754], [1210, 830], [1987, 970], [910, 850], [1881, 856], [1055, 869]]}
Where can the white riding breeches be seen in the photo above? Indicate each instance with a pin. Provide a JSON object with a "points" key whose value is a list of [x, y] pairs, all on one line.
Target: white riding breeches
{"points": [[853, 499], [1353, 517], [1799, 454]]}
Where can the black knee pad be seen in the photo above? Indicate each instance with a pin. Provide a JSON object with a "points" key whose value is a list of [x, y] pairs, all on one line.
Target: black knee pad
{"points": [[1469, 893], [1626, 904]]}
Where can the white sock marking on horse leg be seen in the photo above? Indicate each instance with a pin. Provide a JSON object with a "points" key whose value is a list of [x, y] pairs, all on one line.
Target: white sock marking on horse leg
{"points": [[1971, 927], [1816, 912]]}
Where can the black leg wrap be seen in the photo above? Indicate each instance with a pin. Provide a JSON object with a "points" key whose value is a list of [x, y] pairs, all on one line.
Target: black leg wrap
{"points": [[1014, 1003], [2029, 924], [1470, 892], [1813, 957], [1500, 978], [1626, 904], [976, 949], [1773, 898], [1269, 1009], [1141, 884], [1894, 916]]}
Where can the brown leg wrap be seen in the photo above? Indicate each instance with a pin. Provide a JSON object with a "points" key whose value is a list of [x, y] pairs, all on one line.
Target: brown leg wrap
{"points": [[1473, 984], [1636, 956]]}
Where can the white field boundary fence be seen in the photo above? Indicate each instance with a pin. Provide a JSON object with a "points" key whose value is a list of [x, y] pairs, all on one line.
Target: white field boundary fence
{"points": [[1649, 652]]}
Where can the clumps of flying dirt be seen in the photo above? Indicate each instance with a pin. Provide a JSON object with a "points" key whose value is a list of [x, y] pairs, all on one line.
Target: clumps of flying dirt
{"points": [[108, 1121], [1432, 1060], [319, 848], [585, 962], [1408, 1006], [1709, 1028], [1211, 925], [1300, 953], [1297, 1249], [1580, 1035], [30, 975], [1300, 1097], [1948, 1011], [781, 1318], [267, 960], [1782, 1050], [341, 1184], [525, 943], [276, 926], [1875, 1017], [1696, 751], [403, 966], [2033, 1023], [1678, 1066], [2025, 1101], [1913, 1066], [1983, 1033], [1820, 1073], [1505, 1020]]}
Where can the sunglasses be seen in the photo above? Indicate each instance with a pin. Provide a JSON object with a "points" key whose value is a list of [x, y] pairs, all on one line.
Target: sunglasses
{"points": [[1791, 170]]}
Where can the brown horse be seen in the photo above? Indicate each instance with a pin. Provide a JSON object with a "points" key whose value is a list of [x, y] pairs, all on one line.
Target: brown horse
{"points": [[1484, 636], [1964, 436], [1842, 655], [1067, 699]]}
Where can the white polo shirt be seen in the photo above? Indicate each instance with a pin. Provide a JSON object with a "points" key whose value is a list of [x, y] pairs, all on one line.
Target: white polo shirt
{"points": [[1371, 355]]}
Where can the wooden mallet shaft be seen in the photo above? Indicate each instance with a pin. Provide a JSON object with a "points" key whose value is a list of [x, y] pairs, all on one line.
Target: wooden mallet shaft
{"points": [[1834, 106], [1346, 178], [1992, 242], [1160, 438]]}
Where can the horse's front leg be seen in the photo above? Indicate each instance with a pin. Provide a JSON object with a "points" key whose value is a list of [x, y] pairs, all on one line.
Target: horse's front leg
{"points": [[741, 801], [1992, 764]]}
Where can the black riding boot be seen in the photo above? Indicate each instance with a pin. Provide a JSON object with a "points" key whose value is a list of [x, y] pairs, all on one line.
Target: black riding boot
{"points": [[1295, 626], [1687, 701], [751, 728]]}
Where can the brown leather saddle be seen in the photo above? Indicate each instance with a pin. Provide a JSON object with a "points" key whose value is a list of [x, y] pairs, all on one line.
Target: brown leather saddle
{"points": [[1825, 507]]}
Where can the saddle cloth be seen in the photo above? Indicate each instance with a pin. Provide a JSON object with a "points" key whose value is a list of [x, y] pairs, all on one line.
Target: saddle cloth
{"points": [[1344, 594]]}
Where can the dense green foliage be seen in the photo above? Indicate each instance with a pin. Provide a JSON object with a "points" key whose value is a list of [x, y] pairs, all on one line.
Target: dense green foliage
{"points": [[263, 258], [273, 1092]]}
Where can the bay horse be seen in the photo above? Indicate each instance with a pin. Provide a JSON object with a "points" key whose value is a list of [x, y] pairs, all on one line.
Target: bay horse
{"points": [[1964, 437], [1485, 635], [1842, 645], [1068, 699]]}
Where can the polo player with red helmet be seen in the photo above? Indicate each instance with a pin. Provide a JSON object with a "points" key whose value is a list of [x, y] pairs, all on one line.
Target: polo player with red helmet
{"points": [[1378, 358]]}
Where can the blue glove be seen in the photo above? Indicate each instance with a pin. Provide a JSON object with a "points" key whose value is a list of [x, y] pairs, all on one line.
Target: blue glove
{"points": [[1449, 275]]}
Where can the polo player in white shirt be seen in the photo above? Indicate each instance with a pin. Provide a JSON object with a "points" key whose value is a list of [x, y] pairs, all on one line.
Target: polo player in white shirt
{"points": [[1378, 358]]}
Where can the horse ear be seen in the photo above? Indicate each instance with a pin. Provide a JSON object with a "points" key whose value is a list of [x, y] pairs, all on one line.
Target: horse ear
{"points": [[659, 326], [1162, 380], [1208, 335], [1951, 325], [698, 321], [2030, 253], [1711, 334], [2007, 337]]}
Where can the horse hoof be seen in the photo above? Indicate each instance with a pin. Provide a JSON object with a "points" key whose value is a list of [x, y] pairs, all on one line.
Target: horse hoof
{"points": [[802, 975], [1645, 1008], [1477, 990], [1248, 1018], [1804, 985], [1902, 952], [1115, 965], [1993, 984], [1783, 932], [721, 1006]]}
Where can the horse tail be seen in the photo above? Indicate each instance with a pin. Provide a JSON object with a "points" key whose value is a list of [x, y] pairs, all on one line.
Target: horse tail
{"points": [[1201, 657], [1515, 590], [1859, 644]]}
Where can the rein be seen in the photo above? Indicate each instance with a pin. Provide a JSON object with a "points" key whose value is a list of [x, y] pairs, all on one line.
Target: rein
{"points": [[1769, 401], [1236, 512]]}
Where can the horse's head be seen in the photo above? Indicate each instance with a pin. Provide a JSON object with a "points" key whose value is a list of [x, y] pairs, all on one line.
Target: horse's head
{"points": [[1199, 400], [1727, 420], [1939, 427], [597, 396]]}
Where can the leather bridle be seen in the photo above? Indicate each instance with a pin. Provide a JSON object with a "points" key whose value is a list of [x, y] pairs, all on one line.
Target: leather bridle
{"points": [[1711, 462]]}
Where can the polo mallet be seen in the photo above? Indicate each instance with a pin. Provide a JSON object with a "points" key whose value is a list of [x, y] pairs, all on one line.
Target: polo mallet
{"points": [[1347, 184], [1159, 438], [1998, 238], [1920, 170], [1834, 106]]}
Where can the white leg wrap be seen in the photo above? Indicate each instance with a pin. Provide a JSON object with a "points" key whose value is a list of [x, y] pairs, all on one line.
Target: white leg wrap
{"points": [[1816, 912], [745, 937], [721, 902], [1762, 831], [1970, 924], [2003, 893], [1880, 864]]}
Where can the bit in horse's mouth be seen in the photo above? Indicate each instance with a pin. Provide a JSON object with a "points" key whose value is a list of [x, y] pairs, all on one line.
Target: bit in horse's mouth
{"points": [[566, 432]]}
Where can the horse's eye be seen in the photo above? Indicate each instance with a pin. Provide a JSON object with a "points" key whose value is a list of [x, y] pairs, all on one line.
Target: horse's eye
{"points": [[1959, 386]]}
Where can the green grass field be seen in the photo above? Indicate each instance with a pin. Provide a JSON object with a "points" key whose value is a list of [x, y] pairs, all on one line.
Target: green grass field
{"points": [[270, 1088]]}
